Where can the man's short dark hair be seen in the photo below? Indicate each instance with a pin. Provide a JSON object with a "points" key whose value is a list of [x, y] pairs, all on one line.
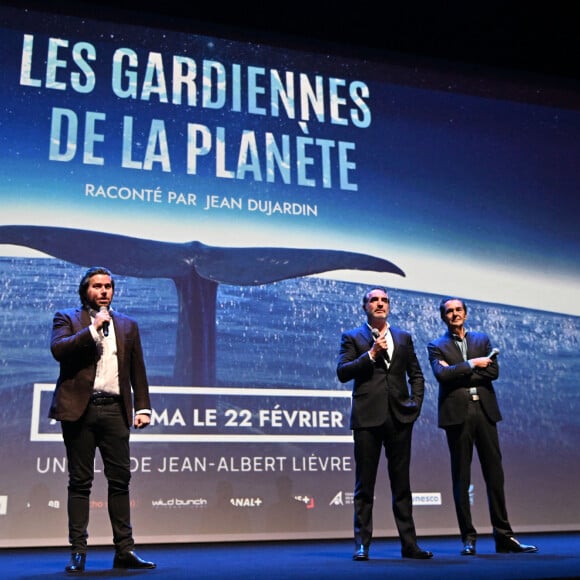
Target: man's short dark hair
{"points": [[445, 300]]}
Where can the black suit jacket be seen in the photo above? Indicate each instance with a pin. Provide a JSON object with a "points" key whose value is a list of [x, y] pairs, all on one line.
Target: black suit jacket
{"points": [[73, 346], [455, 379], [376, 389]]}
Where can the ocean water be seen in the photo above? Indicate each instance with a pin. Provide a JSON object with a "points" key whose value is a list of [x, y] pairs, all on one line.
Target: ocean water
{"points": [[287, 334]]}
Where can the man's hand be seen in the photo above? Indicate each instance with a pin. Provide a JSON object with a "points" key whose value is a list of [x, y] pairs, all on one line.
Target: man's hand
{"points": [[379, 347], [481, 362], [141, 421]]}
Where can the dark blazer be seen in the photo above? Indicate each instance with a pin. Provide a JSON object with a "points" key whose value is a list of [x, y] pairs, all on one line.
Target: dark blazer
{"points": [[455, 379], [73, 346], [376, 389]]}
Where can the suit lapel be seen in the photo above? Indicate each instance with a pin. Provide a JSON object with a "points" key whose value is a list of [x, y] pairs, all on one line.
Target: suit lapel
{"points": [[455, 352], [367, 334], [119, 331], [83, 317], [396, 341]]}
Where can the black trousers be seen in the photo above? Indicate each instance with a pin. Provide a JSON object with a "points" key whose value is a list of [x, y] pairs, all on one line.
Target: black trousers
{"points": [[395, 438], [102, 427], [479, 432]]}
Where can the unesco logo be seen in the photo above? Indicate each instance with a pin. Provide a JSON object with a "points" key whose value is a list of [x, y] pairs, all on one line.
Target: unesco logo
{"points": [[428, 498]]}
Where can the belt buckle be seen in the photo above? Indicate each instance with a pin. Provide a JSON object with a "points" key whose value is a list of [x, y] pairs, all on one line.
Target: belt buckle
{"points": [[101, 399], [473, 393]]}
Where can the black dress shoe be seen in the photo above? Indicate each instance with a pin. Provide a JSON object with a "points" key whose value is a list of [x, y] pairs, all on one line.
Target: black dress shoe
{"points": [[362, 553], [416, 553], [507, 544], [76, 563], [131, 560], [468, 548]]}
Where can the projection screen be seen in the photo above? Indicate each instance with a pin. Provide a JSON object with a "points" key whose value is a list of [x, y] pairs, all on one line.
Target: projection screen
{"points": [[245, 196]]}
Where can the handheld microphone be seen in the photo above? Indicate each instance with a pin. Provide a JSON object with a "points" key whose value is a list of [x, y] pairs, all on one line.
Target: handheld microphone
{"points": [[376, 335], [105, 326], [494, 352]]}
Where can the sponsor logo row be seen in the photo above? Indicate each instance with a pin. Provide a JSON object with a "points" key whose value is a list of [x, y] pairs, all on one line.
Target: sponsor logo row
{"points": [[341, 498]]}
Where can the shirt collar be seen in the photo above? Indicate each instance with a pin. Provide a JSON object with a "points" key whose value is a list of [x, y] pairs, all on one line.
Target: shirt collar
{"points": [[92, 312]]}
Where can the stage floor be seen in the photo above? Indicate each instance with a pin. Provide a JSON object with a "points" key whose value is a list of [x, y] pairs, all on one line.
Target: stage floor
{"points": [[558, 558]]}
